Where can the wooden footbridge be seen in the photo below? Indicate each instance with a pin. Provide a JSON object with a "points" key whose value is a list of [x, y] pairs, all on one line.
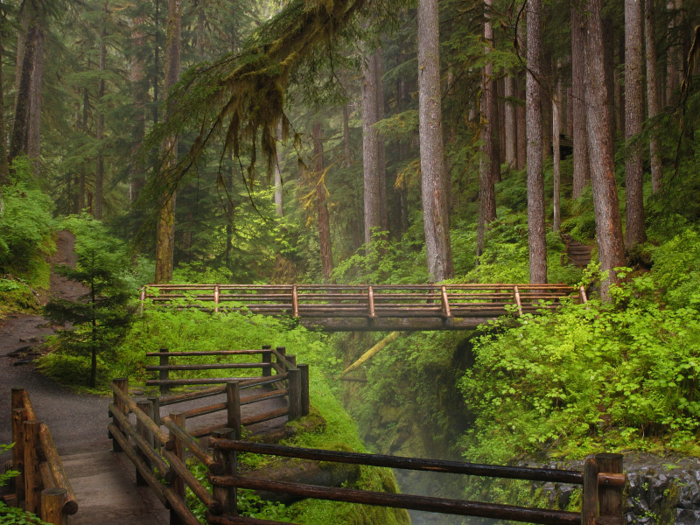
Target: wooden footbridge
{"points": [[341, 308], [163, 444]]}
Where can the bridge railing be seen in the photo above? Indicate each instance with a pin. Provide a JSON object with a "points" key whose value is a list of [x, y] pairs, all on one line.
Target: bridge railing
{"points": [[602, 480], [42, 486], [366, 301]]}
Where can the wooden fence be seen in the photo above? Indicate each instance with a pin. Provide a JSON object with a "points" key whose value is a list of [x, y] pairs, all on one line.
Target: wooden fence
{"points": [[429, 306], [42, 486]]}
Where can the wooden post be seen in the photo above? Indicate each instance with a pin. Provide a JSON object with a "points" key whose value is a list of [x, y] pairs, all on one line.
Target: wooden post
{"points": [[216, 298], [266, 359], [445, 303], [32, 476], [123, 385], [294, 386], [52, 501], [147, 408], [19, 416], [516, 292], [370, 293], [610, 497], [292, 359], [589, 500], [226, 495], [305, 399], [178, 484], [295, 301], [583, 299], [143, 300], [233, 408], [164, 375], [282, 350]]}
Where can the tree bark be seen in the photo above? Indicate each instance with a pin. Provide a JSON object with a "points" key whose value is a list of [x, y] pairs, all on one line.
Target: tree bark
{"points": [[370, 151], [487, 195], [34, 125], [435, 220], [634, 118], [324, 225], [22, 32], [279, 196], [346, 135], [671, 54], [520, 110], [653, 96], [556, 153], [19, 130], [165, 231], [4, 167], [535, 179], [605, 199], [138, 96], [100, 168], [381, 152], [609, 36], [511, 141], [582, 172], [621, 88]]}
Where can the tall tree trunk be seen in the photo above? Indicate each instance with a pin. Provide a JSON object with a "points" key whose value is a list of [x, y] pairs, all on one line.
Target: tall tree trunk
{"points": [[381, 152], [556, 153], [671, 54], [370, 150], [165, 233], [279, 197], [605, 200], [435, 221], [37, 81], [546, 102], [569, 113], [324, 225], [521, 125], [634, 118], [100, 168], [138, 96], [487, 195], [19, 130], [4, 167], [84, 127], [621, 87], [653, 96], [511, 141], [582, 173], [501, 112], [22, 32], [346, 135], [156, 62], [609, 36], [535, 179]]}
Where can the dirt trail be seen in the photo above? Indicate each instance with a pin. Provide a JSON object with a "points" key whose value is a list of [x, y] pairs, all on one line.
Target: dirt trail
{"points": [[103, 481]]}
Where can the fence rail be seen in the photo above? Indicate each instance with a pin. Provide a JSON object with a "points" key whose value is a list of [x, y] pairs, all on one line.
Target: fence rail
{"points": [[419, 306], [42, 486]]}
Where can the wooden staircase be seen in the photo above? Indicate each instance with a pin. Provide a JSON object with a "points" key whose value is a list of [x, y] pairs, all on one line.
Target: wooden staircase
{"points": [[577, 253]]}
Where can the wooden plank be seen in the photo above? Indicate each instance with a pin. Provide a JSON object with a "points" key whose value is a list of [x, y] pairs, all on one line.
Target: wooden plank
{"points": [[226, 496], [32, 476], [55, 466], [233, 408], [19, 416], [267, 416], [203, 411], [52, 505], [589, 500], [212, 352], [189, 396], [609, 486], [176, 431], [215, 366], [405, 501]]}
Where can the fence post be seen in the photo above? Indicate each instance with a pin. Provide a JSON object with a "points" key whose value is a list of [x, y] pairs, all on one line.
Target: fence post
{"points": [[519, 304], [123, 385], [295, 301], [147, 408], [283, 351], [216, 298], [19, 416], [294, 382], [233, 408], [32, 477], [227, 496], [582, 295], [52, 501], [143, 300], [292, 360], [164, 375], [589, 500], [267, 358], [178, 484], [305, 398], [610, 497]]}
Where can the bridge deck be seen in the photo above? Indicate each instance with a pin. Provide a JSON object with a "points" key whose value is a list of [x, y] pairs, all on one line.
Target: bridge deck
{"points": [[336, 308]]}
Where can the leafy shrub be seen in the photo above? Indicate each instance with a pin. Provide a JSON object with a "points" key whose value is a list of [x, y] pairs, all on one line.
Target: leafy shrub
{"points": [[617, 376], [677, 270]]}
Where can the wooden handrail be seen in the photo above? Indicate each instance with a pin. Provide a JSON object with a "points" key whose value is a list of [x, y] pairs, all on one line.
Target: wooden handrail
{"points": [[147, 421]]}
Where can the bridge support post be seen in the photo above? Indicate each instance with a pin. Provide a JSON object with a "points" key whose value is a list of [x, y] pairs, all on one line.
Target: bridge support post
{"points": [[147, 408], [52, 501], [305, 399], [294, 386], [610, 497], [227, 496], [123, 385], [19, 416], [589, 503], [178, 483], [267, 359], [32, 477], [233, 408]]}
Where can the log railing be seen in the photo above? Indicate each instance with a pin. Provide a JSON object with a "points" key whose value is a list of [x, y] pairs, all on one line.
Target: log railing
{"points": [[42, 486], [602, 480], [370, 302]]}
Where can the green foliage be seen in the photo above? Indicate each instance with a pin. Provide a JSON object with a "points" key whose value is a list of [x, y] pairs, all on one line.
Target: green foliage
{"points": [[8, 474], [614, 376], [677, 270], [100, 318], [14, 515]]}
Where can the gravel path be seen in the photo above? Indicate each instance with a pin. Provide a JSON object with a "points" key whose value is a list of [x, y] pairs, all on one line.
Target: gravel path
{"points": [[103, 481]]}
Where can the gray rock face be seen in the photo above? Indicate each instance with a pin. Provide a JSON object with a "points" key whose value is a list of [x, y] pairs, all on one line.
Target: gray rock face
{"points": [[659, 491]]}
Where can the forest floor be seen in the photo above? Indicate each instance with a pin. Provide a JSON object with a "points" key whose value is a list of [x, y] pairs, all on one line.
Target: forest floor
{"points": [[104, 482]]}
